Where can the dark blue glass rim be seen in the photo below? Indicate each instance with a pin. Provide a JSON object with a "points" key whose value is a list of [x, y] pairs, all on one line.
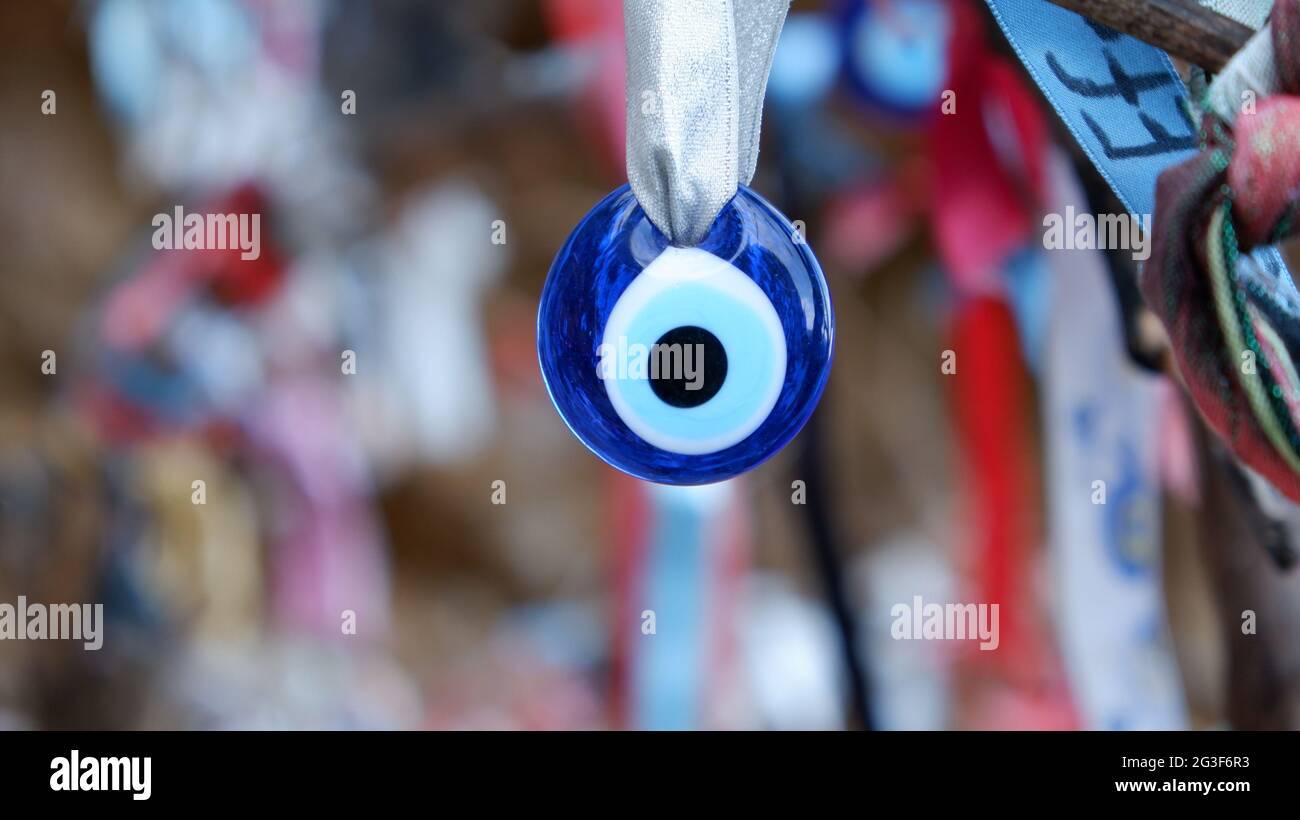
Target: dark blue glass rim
{"points": [[778, 443]]}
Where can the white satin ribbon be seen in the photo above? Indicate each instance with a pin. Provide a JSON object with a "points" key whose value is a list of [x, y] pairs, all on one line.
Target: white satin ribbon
{"points": [[696, 74]]}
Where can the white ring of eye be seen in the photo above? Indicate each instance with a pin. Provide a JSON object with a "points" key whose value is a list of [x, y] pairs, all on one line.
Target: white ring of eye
{"points": [[699, 269]]}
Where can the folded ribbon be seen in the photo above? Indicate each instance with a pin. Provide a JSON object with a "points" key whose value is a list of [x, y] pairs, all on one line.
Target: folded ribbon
{"points": [[696, 74]]}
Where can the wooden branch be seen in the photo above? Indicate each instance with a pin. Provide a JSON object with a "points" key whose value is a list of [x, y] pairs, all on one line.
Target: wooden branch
{"points": [[1180, 27]]}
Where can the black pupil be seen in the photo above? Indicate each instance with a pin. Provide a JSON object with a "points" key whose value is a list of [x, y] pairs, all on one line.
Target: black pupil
{"points": [[687, 366]]}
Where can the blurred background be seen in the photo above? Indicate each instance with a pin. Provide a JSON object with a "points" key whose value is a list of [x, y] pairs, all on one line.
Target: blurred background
{"points": [[325, 488]]}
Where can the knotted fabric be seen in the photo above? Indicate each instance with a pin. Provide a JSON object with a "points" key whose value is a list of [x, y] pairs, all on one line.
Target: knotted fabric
{"points": [[1235, 326]]}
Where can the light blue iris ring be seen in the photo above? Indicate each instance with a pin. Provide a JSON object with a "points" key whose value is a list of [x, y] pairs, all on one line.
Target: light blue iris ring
{"points": [[688, 287]]}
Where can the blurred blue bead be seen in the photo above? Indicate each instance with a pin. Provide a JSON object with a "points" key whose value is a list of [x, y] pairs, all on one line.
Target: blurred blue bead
{"points": [[776, 282], [895, 55], [806, 61]]}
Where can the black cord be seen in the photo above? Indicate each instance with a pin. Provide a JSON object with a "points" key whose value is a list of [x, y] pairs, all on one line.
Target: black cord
{"points": [[799, 197], [826, 557]]}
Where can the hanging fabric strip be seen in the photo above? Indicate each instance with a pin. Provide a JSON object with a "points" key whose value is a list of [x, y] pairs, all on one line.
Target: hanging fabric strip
{"points": [[1102, 419], [681, 551], [1121, 98], [696, 74]]}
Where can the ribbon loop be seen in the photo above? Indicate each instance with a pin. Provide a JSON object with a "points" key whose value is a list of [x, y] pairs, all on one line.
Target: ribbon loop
{"points": [[696, 74]]}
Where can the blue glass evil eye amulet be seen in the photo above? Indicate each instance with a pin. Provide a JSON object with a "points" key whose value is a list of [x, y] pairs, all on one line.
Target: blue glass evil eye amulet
{"points": [[685, 365]]}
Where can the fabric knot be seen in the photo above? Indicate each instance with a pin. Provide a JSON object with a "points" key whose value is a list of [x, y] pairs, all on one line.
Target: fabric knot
{"points": [[1265, 171], [1234, 330]]}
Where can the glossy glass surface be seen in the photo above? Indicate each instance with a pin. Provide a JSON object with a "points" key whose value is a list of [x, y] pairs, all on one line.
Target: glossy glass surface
{"points": [[752, 299]]}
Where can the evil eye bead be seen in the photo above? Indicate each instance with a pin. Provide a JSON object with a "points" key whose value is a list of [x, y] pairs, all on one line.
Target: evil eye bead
{"points": [[895, 54], [685, 365]]}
